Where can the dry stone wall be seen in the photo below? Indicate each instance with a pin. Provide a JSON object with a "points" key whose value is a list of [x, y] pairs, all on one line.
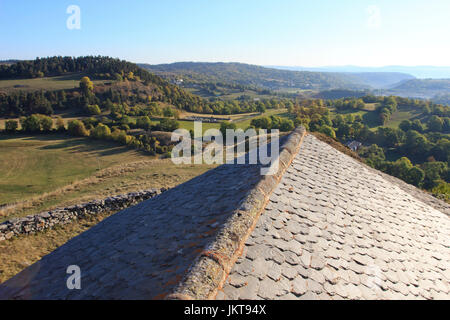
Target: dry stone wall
{"points": [[49, 219]]}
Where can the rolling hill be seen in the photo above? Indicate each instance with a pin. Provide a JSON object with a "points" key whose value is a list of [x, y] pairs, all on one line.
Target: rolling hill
{"points": [[252, 75], [421, 72], [117, 80], [436, 89]]}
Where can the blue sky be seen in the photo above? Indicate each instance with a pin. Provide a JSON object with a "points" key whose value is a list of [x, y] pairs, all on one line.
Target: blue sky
{"points": [[282, 32]]}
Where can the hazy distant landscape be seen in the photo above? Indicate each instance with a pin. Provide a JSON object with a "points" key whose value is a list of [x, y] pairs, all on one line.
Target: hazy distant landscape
{"points": [[310, 81]]}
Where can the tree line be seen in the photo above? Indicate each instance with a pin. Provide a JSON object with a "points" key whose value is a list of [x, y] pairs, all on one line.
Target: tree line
{"points": [[424, 147]]}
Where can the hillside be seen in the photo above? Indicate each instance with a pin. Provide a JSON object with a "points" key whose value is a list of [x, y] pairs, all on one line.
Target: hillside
{"points": [[422, 88], [115, 80], [424, 84], [379, 79], [422, 72], [251, 75]]}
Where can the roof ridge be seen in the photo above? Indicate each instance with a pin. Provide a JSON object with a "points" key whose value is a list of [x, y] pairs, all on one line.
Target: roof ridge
{"points": [[209, 271]]}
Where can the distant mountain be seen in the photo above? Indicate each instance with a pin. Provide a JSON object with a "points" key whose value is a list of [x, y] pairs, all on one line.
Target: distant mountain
{"points": [[379, 80], [245, 74], [422, 72]]}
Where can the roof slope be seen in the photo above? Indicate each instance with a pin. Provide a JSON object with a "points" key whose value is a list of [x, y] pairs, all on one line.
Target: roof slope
{"points": [[141, 252], [331, 228], [335, 229]]}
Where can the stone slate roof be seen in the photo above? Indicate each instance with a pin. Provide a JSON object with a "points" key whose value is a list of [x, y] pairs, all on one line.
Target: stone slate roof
{"points": [[325, 226], [336, 230]]}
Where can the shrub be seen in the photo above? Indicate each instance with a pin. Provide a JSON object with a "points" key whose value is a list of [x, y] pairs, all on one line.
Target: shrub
{"points": [[60, 125], [101, 132], [46, 123], [227, 125], [168, 125], [11, 125], [77, 128], [31, 123], [328, 131], [144, 123], [94, 110]]}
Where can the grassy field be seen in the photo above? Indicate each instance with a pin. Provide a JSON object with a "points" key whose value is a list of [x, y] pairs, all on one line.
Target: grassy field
{"points": [[68, 81], [371, 118], [404, 113], [52, 171], [33, 165], [49, 170], [244, 122]]}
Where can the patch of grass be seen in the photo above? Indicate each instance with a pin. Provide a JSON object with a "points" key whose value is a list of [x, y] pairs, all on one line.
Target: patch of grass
{"points": [[65, 82], [404, 113], [370, 106], [370, 118], [33, 165], [118, 179], [244, 123], [189, 125]]}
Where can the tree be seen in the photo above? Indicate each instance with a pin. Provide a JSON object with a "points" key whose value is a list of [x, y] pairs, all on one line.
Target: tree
{"points": [[435, 124], [77, 128], [433, 172], [144, 123], [441, 150], [101, 132], [168, 112], [401, 167], [287, 125], [328, 131], [442, 191], [86, 85], [46, 123], [416, 143], [94, 110], [11, 125], [262, 123], [374, 155], [168, 125], [60, 125], [415, 176], [118, 77], [405, 125], [227, 125], [417, 126], [31, 123]]}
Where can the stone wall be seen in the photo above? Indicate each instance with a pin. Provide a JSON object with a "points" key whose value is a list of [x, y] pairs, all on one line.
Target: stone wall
{"points": [[48, 219]]}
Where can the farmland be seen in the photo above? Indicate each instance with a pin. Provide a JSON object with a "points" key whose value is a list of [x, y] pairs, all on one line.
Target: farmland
{"points": [[53, 169], [65, 82]]}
